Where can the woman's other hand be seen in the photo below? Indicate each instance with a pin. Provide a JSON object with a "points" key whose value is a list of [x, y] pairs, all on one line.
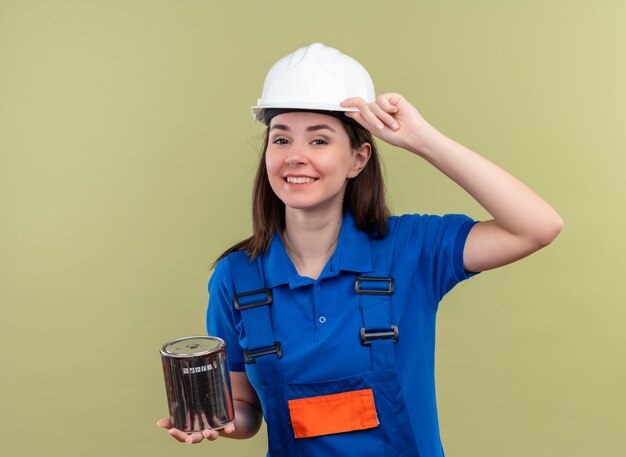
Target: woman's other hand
{"points": [[193, 438], [248, 415], [391, 118]]}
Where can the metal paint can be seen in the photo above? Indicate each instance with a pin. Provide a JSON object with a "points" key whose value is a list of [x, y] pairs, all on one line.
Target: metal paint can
{"points": [[197, 383]]}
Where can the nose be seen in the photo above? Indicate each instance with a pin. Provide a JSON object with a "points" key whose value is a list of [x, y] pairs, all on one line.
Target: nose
{"points": [[296, 156]]}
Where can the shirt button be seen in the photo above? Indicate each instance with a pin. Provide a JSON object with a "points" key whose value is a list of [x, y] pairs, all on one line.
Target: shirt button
{"points": [[322, 319], [319, 288]]}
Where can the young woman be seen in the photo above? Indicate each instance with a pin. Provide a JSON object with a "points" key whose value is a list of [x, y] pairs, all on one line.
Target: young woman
{"points": [[329, 308]]}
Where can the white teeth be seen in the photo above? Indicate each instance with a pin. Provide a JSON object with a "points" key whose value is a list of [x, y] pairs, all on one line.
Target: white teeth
{"points": [[299, 180]]}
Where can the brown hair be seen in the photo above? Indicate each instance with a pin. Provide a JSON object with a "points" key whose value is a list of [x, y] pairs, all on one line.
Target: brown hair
{"points": [[364, 197]]}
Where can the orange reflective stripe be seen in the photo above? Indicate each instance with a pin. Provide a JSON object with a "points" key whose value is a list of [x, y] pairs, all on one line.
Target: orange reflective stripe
{"points": [[327, 414]]}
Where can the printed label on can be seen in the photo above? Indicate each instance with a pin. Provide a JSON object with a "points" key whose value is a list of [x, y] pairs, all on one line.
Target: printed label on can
{"points": [[194, 370]]}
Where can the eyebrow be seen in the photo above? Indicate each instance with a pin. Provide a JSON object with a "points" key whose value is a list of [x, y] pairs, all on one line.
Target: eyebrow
{"points": [[311, 128]]}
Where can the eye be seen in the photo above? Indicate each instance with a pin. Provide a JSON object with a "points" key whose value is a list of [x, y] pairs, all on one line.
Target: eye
{"points": [[279, 141], [319, 142]]}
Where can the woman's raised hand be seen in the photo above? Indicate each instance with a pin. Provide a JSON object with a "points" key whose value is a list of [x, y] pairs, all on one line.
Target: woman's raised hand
{"points": [[193, 438], [391, 118]]}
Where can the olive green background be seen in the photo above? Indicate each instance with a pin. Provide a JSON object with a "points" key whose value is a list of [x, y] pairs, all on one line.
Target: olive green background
{"points": [[127, 152]]}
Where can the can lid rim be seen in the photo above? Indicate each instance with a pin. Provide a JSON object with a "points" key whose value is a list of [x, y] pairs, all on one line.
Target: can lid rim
{"points": [[221, 345]]}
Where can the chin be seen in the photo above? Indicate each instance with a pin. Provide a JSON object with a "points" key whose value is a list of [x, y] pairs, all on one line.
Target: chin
{"points": [[300, 205], [310, 206]]}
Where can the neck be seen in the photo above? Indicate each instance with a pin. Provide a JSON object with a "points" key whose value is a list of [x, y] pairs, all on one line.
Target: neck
{"points": [[311, 238]]}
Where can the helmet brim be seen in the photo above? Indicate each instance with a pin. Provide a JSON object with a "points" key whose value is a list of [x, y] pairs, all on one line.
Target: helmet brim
{"points": [[258, 110]]}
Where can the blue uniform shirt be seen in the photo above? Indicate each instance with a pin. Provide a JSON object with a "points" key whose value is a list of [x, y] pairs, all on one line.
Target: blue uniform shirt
{"points": [[318, 321]]}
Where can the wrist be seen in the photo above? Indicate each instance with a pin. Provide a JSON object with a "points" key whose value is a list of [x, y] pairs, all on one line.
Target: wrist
{"points": [[425, 140]]}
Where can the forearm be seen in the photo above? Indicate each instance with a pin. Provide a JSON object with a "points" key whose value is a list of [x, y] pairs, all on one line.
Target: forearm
{"points": [[522, 221], [248, 419], [514, 207]]}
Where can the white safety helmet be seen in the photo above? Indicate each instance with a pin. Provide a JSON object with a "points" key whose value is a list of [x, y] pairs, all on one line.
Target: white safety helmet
{"points": [[315, 77]]}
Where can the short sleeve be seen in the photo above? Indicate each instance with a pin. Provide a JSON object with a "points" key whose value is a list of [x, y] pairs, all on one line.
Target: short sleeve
{"points": [[220, 318], [435, 244]]}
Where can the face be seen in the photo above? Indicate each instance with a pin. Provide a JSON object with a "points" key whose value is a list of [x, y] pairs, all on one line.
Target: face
{"points": [[309, 160]]}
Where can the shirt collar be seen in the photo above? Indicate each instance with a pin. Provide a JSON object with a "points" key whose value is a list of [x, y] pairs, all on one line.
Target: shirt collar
{"points": [[353, 253]]}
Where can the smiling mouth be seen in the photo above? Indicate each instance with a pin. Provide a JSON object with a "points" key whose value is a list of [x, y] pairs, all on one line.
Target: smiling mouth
{"points": [[300, 180]]}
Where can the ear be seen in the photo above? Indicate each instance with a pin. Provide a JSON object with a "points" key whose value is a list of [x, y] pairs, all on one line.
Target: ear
{"points": [[360, 158]]}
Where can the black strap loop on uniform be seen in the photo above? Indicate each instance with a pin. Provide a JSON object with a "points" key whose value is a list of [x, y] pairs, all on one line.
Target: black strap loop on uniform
{"points": [[361, 286], [253, 304], [249, 356], [368, 335]]}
